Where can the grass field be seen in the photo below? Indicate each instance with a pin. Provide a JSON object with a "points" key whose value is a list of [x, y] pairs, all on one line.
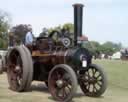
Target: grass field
{"points": [[117, 72]]}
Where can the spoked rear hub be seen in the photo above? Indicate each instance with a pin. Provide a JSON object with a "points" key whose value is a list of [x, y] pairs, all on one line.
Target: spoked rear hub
{"points": [[62, 83], [93, 81]]}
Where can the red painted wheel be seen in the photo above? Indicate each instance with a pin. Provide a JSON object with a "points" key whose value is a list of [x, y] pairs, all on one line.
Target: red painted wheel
{"points": [[62, 83], [19, 68]]}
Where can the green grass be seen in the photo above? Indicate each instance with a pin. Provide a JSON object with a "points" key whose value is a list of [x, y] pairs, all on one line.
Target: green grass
{"points": [[117, 91], [117, 72]]}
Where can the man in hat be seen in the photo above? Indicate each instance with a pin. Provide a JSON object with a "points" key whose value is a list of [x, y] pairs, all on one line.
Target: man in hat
{"points": [[44, 32]]}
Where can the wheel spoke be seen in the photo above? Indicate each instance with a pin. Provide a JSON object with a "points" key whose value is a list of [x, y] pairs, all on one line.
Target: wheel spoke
{"points": [[97, 75], [94, 71], [99, 84], [90, 72], [88, 86], [84, 80], [69, 88], [86, 83], [87, 75], [64, 92], [57, 91], [94, 88]]}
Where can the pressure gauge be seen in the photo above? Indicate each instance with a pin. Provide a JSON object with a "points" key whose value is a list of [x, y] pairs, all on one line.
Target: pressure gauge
{"points": [[66, 42]]}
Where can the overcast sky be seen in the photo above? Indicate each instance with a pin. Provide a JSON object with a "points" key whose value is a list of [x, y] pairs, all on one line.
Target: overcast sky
{"points": [[104, 20]]}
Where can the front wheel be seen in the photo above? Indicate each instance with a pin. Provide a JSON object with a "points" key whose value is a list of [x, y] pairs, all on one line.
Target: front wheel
{"points": [[93, 81], [62, 83]]}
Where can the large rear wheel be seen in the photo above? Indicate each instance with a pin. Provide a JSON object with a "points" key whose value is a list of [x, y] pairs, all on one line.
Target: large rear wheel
{"points": [[62, 83], [93, 81], [20, 68]]}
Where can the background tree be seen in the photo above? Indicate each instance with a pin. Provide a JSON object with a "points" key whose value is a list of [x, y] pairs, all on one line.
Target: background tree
{"points": [[110, 47], [20, 32], [69, 26], [4, 27], [107, 48], [94, 47]]}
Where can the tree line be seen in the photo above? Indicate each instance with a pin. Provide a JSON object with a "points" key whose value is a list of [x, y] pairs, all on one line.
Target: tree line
{"points": [[108, 48]]}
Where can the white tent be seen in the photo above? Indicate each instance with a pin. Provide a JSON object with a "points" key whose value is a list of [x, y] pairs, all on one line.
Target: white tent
{"points": [[116, 55]]}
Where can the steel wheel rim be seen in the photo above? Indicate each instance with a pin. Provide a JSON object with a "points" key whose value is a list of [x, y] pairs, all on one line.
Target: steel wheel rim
{"points": [[60, 93], [92, 81]]}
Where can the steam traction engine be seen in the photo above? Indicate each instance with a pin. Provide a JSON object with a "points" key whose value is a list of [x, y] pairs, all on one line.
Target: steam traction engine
{"points": [[61, 67]]}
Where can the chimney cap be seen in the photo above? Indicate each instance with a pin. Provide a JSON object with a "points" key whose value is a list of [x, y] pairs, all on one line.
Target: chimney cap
{"points": [[78, 4]]}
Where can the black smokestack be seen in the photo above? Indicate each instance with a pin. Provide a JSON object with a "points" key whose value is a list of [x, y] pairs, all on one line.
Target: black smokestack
{"points": [[78, 20]]}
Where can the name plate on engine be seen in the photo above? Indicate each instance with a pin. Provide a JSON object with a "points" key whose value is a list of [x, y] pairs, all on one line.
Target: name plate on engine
{"points": [[84, 63]]}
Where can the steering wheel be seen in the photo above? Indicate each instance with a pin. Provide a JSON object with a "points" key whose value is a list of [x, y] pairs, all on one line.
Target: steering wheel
{"points": [[55, 35]]}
